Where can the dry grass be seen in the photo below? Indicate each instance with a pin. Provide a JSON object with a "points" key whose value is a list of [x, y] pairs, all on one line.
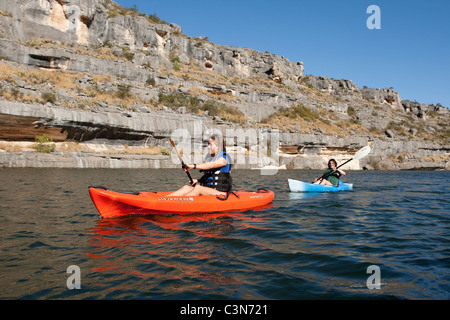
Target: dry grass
{"points": [[193, 72], [71, 147], [442, 158], [66, 80], [7, 146], [6, 13], [42, 43], [104, 53], [13, 147], [195, 105], [16, 95], [63, 79], [124, 149], [309, 120], [151, 150], [399, 157]]}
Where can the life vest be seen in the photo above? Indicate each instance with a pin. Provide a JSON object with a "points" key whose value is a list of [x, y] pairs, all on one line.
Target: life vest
{"points": [[218, 178], [332, 176]]}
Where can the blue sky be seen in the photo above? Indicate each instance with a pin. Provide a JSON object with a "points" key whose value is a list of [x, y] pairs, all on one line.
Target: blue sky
{"points": [[410, 53]]}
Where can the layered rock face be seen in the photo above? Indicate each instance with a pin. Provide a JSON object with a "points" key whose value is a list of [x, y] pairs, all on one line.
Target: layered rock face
{"points": [[96, 23], [92, 72]]}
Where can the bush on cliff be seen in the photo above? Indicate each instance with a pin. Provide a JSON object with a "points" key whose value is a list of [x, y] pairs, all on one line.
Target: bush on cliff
{"points": [[44, 144]]}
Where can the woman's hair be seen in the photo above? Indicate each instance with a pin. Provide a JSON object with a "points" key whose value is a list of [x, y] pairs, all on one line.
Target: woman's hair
{"points": [[329, 163], [219, 141]]}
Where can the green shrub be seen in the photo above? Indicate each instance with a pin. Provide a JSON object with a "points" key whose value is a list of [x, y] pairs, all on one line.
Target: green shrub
{"points": [[107, 44], [351, 111], [16, 93], [166, 152], [44, 144], [151, 81], [174, 101], [155, 19], [129, 55], [175, 61], [123, 91], [194, 105], [49, 97], [212, 107], [176, 65], [295, 111], [113, 14]]}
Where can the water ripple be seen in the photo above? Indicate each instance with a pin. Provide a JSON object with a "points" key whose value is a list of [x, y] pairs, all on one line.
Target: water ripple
{"points": [[305, 246]]}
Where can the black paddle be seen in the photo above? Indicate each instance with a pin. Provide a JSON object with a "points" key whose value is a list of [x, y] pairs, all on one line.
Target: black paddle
{"points": [[183, 165], [358, 155]]}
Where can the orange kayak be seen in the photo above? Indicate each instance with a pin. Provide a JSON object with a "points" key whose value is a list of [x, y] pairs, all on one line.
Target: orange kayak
{"points": [[111, 204]]}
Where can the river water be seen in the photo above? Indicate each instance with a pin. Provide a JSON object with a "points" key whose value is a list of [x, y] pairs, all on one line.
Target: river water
{"points": [[302, 246]]}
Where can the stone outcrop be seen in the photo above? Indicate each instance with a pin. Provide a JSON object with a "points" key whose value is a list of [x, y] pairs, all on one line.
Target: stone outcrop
{"points": [[149, 61], [326, 84], [97, 23], [306, 151], [383, 96], [421, 110]]}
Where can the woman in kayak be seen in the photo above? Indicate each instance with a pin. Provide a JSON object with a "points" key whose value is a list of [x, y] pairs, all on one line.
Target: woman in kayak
{"points": [[331, 176], [216, 179]]}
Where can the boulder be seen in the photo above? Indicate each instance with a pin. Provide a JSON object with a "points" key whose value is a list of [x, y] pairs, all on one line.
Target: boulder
{"points": [[383, 96]]}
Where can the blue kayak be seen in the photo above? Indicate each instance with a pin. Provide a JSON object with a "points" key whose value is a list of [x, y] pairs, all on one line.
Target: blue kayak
{"points": [[300, 186]]}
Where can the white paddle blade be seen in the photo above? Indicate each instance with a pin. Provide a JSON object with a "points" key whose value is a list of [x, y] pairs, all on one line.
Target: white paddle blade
{"points": [[362, 153]]}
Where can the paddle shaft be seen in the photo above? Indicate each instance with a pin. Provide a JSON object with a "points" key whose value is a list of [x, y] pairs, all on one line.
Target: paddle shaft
{"points": [[360, 154], [330, 173], [183, 165]]}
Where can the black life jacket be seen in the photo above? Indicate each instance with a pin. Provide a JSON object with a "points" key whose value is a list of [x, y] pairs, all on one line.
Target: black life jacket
{"points": [[218, 178]]}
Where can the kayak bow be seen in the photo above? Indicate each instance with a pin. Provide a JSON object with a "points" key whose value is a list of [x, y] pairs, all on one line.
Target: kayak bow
{"points": [[301, 186], [111, 204]]}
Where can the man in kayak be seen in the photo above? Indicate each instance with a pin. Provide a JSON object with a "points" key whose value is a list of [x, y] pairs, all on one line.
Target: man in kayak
{"points": [[216, 179], [331, 176]]}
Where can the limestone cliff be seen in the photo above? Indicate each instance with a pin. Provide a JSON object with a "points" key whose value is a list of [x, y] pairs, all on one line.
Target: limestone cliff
{"points": [[99, 79]]}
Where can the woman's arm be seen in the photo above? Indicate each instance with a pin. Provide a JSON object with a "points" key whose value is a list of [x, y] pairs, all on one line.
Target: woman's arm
{"points": [[220, 162]]}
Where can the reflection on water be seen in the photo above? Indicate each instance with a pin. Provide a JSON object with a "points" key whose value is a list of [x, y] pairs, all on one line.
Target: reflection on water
{"points": [[302, 246], [172, 253], [308, 195]]}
